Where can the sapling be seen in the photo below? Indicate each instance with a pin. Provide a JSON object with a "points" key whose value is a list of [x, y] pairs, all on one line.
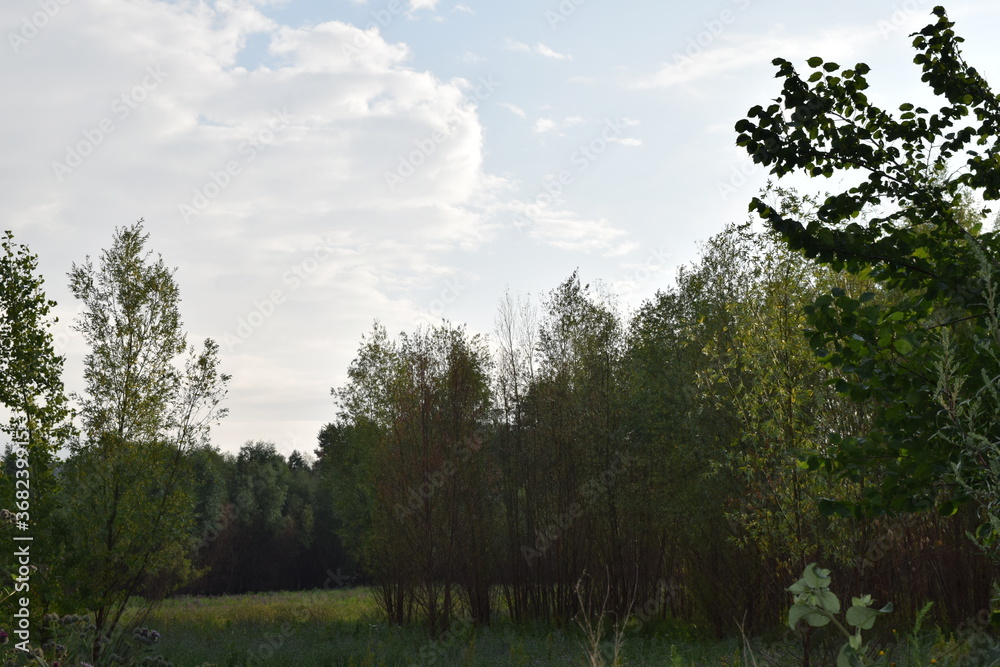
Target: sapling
{"points": [[814, 603]]}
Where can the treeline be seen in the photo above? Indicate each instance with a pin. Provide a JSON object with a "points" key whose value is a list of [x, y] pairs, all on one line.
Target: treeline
{"points": [[260, 522], [671, 462], [264, 523], [661, 458]]}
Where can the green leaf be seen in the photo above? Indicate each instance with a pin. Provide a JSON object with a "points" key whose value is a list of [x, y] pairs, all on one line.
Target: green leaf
{"points": [[848, 657], [829, 601], [817, 620], [902, 346], [796, 613], [811, 576], [815, 61], [798, 587], [862, 617], [948, 508], [984, 532]]}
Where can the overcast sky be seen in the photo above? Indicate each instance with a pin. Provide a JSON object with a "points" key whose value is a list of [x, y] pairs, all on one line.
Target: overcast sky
{"points": [[310, 166]]}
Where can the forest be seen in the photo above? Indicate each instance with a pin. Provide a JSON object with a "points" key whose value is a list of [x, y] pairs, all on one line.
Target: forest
{"points": [[809, 411]]}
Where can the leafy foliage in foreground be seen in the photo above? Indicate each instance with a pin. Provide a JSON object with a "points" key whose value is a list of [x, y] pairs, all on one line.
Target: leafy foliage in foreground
{"points": [[924, 341], [814, 603]]}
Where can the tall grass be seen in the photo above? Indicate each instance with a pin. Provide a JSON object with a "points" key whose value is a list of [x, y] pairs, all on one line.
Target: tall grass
{"points": [[343, 627]]}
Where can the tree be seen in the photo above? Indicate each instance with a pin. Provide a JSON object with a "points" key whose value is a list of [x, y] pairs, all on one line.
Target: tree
{"points": [[128, 513], [579, 453], [260, 488], [31, 388], [782, 398], [925, 342], [30, 369], [412, 486], [516, 336]]}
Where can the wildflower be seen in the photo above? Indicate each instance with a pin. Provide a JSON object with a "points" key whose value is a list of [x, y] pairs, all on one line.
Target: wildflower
{"points": [[4, 637], [146, 636]]}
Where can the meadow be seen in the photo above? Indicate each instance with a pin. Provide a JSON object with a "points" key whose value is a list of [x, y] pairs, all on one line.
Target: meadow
{"points": [[344, 628]]}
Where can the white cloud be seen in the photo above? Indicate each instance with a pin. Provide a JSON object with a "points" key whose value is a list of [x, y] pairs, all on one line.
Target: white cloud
{"points": [[625, 141], [470, 58], [511, 45], [269, 192], [423, 4], [539, 49], [567, 231], [543, 125], [731, 53], [514, 109]]}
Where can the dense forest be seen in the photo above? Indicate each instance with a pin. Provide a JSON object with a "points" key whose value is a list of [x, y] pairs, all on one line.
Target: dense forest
{"points": [[821, 388]]}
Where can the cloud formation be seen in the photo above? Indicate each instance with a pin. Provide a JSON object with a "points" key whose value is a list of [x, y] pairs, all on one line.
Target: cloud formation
{"points": [[246, 172]]}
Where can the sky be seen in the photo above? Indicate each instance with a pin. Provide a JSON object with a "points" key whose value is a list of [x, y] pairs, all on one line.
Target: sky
{"points": [[312, 166]]}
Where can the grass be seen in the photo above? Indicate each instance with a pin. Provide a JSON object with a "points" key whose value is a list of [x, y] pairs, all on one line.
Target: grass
{"points": [[343, 627]]}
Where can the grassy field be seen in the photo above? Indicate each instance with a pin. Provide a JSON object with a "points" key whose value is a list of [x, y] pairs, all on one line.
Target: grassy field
{"points": [[343, 627]]}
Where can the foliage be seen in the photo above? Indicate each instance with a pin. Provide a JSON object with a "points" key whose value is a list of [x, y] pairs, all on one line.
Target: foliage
{"points": [[31, 388], [814, 603], [257, 508], [127, 510], [30, 369], [763, 370], [71, 639], [909, 225], [663, 453], [411, 483]]}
